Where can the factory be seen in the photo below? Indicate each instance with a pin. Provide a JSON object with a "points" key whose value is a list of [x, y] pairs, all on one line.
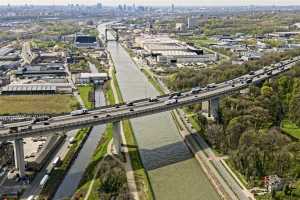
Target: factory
{"points": [[95, 78], [40, 70], [86, 41], [170, 51]]}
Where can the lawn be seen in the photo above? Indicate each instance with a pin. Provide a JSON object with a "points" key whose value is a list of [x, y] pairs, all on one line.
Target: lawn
{"points": [[291, 128], [37, 104], [86, 95]]}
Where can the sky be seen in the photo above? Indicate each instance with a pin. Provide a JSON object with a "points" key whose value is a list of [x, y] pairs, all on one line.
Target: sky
{"points": [[154, 2]]}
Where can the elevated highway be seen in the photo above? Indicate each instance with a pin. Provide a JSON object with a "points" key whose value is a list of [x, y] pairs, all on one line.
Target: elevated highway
{"points": [[142, 107], [139, 108]]}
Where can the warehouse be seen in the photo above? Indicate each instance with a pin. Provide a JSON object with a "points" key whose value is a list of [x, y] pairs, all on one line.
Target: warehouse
{"points": [[30, 71], [26, 89], [170, 51], [86, 41], [96, 78]]}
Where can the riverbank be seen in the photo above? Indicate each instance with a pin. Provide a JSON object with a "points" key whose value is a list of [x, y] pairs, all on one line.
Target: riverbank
{"points": [[57, 174], [141, 176], [219, 177]]}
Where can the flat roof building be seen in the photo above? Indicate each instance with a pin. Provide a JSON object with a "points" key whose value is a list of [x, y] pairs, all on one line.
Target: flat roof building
{"points": [[171, 51], [43, 88], [96, 78], [55, 69], [86, 41]]}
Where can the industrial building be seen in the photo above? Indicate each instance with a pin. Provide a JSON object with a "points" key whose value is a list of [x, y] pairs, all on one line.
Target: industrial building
{"points": [[170, 51], [32, 71], [86, 41], [86, 78], [32, 89]]}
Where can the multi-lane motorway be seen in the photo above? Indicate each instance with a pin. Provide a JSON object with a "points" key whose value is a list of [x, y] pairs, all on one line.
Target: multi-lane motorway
{"points": [[143, 107]]}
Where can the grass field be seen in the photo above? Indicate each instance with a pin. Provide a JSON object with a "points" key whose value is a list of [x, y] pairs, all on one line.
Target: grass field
{"points": [[37, 104], [84, 94], [291, 128]]}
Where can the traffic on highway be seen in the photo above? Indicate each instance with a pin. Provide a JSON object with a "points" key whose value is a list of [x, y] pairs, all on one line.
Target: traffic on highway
{"points": [[138, 108]]}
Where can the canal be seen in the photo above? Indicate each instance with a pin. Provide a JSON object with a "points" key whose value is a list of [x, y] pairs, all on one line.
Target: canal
{"points": [[173, 171], [74, 175]]}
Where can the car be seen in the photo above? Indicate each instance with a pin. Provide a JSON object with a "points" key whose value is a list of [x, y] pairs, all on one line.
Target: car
{"points": [[232, 85], [117, 106], [269, 73], [155, 99], [46, 123], [95, 116], [108, 115], [130, 104], [249, 80], [252, 73], [131, 110], [212, 85]]}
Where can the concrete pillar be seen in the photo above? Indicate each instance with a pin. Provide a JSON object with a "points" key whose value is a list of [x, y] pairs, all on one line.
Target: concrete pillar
{"points": [[117, 139], [105, 35], [117, 35], [214, 108], [211, 108], [19, 156], [205, 107], [245, 91]]}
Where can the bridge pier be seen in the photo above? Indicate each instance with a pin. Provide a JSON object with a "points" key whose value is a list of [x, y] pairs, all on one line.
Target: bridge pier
{"points": [[117, 138], [117, 35], [211, 108], [106, 35], [245, 91], [19, 157]]}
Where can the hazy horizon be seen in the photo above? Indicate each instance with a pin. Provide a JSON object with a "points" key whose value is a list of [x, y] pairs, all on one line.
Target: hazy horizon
{"points": [[155, 2]]}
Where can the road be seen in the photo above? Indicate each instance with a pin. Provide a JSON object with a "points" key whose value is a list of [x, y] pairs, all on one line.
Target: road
{"points": [[34, 187], [145, 107]]}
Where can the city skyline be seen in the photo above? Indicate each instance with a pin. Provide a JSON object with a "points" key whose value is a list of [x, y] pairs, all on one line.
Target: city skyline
{"points": [[154, 2]]}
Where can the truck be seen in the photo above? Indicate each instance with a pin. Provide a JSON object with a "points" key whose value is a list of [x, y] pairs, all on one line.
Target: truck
{"points": [[175, 94], [72, 140], [79, 112], [15, 129], [171, 101], [44, 180], [195, 90], [56, 161]]}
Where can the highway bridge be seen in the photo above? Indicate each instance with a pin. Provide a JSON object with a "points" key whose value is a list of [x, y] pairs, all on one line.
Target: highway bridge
{"points": [[139, 108]]}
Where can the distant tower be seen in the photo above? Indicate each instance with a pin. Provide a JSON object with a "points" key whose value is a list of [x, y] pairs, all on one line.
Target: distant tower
{"points": [[99, 5], [172, 7], [188, 23]]}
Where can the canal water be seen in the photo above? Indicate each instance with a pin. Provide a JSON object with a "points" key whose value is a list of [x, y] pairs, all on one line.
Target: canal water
{"points": [[74, 175], [174, 173]]}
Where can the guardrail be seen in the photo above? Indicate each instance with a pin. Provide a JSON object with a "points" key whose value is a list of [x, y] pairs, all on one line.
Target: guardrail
{"points": [[129, 114]]}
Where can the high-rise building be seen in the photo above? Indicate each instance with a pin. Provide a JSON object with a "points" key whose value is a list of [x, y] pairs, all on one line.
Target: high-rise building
{"points": [[172, 8], [99, 5]]}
